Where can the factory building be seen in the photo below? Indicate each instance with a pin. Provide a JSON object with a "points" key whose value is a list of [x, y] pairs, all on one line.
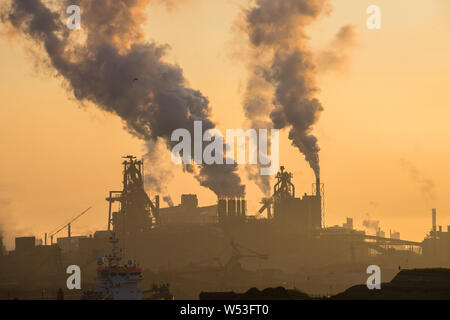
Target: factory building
{"points": [[30, 264], [291, 213], [188, 212], [436, 245]]}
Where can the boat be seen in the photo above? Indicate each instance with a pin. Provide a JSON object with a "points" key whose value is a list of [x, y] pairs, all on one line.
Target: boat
{"points": [[116, 281]]}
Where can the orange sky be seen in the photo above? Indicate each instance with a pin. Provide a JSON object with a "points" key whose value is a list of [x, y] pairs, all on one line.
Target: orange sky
{"points": [[390, 106]]}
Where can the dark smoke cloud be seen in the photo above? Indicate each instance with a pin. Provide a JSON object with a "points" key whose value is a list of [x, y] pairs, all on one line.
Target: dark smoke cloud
{"points": [[426, 186], [102, 69], [281, 58], [336, 56], [218, 178], [168, 200]]}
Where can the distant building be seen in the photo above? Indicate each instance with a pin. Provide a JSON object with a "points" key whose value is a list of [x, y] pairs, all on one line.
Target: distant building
{"points": [[69, 244], [188, 212], [394, 235], [348, 224], [380, 233], [436, 247]]}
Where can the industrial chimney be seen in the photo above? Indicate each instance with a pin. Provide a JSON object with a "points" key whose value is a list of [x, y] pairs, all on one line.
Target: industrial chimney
{"points": [[319, 200], [433, 221], [318, 186]]}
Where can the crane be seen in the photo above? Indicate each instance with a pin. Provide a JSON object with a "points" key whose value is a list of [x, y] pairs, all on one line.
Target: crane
{"points": [[68, 225], [267, 204], [237, 255]]}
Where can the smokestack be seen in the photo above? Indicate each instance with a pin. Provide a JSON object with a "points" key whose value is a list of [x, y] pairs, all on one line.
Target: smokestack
{"points": [[222, 209], [319, 200], [318, 186], [231, 207], [433, 219], [156, 213], [157, 202], [244, 208]]}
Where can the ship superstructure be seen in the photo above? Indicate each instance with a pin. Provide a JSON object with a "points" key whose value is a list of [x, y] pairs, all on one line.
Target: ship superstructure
{"points": [[116, 281]]}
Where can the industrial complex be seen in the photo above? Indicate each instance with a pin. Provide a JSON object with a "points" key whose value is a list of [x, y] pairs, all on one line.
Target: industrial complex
{"points": [[220, 247]]}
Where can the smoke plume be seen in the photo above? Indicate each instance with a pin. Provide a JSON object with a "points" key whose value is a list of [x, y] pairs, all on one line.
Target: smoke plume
{"points": [[426, 186], [282, 60], [10, 225], [371, 224], [112, 65], [257, 105], [168, 200], [336, 55]]}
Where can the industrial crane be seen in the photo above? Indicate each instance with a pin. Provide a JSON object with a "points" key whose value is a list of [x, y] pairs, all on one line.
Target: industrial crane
{"points": [[237, 255], [68, 225], [267, 204]]}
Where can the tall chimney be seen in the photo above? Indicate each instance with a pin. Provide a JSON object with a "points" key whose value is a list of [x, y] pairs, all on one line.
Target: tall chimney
{"points": [[157, 202], [318, 219], [156, 213], [433, 219], [222, 209], [317, 186], [231, 207]]}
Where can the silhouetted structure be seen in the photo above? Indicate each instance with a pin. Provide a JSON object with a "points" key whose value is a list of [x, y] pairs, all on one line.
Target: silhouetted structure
{"points": [[186, 243], [137, 213], [407, 284], [278, 293]]}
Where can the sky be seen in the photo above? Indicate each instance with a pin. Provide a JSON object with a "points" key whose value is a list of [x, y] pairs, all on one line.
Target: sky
{"points": [[383, 134]]}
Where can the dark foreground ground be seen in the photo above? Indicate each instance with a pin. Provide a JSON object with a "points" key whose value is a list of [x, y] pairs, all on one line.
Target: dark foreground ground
{"points": [[411, 284], [406, 285]]}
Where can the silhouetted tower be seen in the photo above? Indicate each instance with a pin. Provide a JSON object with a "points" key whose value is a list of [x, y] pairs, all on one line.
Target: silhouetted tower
{"points": [[284, 188], [294, 214], [137, 212]]}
